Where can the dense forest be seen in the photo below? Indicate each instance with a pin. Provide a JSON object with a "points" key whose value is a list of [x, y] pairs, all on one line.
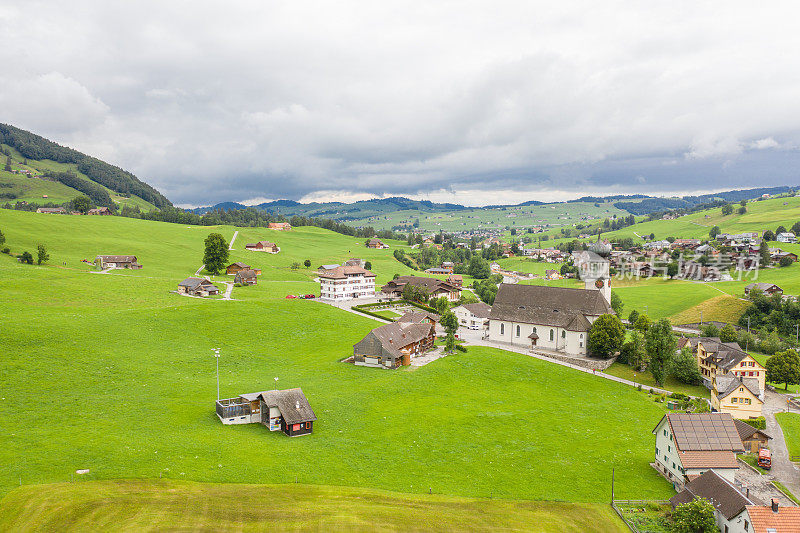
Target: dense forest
{"points": [[35, 147]]}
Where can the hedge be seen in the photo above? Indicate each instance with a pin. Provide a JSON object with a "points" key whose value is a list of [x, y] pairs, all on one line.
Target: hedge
{"points": [[758, 423]]}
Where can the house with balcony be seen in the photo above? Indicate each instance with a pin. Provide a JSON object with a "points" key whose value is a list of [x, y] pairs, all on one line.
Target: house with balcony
{"points": [[285, 410], [346, 282]]}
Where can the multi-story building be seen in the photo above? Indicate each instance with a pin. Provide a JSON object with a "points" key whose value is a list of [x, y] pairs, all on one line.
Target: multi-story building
{"points": [[347, 282]]}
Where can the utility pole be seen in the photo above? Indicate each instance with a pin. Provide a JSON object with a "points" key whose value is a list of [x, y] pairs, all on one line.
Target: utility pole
{"points": [[216, 356], [612, 486]]}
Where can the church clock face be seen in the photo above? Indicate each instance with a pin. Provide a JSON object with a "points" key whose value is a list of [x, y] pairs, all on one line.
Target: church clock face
{"points": [[599, 283]]}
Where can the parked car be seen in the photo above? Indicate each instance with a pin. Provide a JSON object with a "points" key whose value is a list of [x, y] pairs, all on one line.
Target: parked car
{"points": [[291, 296], [309, 296]]}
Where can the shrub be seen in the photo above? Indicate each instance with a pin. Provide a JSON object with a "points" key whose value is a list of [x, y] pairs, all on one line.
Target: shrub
{"points": [[785, 261], [758, 423], [461, 348], [26, 257], [6, 250]]}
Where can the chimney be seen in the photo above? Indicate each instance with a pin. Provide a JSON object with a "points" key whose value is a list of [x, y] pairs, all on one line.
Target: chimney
{"points": [[774, 505], [297, 404]]}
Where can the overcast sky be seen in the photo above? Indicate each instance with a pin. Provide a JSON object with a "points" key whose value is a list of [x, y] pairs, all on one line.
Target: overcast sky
{"points": [[473, 102]]}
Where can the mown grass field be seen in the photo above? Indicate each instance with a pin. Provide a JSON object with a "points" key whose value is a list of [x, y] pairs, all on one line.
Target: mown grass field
{"points": [[790, 424], [137, 505], [115, 373], [646, 379]]}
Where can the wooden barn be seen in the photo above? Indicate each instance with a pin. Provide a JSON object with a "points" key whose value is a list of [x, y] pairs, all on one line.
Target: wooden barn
{"points": [[279, 410], [247, 277], [263, 246], [238, 266]]}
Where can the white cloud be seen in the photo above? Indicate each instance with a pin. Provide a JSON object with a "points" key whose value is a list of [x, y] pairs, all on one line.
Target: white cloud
{"points": [[297, 100]]}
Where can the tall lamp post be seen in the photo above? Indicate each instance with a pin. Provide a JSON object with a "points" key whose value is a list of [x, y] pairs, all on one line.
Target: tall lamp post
{"points": [[216, 356]]}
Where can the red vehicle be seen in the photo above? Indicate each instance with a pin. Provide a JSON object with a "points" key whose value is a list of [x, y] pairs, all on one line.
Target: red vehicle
{"points": [[764, 458], [309, 296], [290, 296]]}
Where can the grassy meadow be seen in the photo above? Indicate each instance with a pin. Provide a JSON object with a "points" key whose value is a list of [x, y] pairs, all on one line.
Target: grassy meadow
{"points": [[790, 424], [155, 505], [114, 373]]}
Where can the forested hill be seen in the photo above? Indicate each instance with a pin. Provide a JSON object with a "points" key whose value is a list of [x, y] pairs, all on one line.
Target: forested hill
{"points": [[38, 148]]}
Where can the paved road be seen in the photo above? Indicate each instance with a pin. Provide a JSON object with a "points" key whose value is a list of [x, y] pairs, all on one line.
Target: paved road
{"points": [[235, 233], [759, 486], [782, 469], [197, 274]]}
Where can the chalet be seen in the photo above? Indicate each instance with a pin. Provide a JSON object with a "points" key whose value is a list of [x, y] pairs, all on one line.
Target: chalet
{"points": [[354, 261], [689, 444], [473, 316], [776, 254], [419, 316], [238, 266], [752, 439], [774, 518], [455, 280], [766, 288], [431, 286], [346, 282], [246, 277], [117, 261], [263, 246], [786, 237], [393, 345], [686, 244], [197, 287], [52, 210], [280, 226], [285, 410], [748, 262], [439, 270], [717, 358], [104, 211], [554, 318], [730, 505], [377, 244], [740, 397]]}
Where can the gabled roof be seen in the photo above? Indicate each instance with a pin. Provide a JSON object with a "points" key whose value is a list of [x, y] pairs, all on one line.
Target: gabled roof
{"points": [[703, 432], [418, 315], [725, 498], [239, 264], [765, 520], [480, 309], [117, 258], [397, 335], [761, 286], [342, 272], [548, 306], [728, 383], [292, 404], [193, 283], [746, 430], [246, 274], [428, 284], [708, 459]]}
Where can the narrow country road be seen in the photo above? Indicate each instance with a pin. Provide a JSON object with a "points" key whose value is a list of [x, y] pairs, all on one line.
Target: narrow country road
{"points": [[782, 469], [197, 274], [235, 234], [228, 290]]}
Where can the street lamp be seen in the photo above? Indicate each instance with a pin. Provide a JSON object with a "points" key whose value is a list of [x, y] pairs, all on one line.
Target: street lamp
{"points": [[216, 356]]}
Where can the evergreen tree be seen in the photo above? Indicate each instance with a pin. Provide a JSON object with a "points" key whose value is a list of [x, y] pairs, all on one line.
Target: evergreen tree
{"points": [[8, 164], [216, 253], [449, 322], [763, 252]]}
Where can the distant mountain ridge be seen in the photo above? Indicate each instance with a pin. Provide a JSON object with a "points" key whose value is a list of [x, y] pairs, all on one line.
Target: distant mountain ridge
{"points": [[37, 148], [637, 204]]}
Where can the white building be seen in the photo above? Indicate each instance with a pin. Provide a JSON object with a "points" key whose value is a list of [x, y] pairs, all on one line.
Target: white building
{"points": [[786, 237], [553, 318], [347, 282], [594, 271], [730, 505], [687, 445], [473, 316]]}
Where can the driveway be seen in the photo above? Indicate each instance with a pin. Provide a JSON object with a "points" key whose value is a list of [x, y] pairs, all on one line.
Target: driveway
{"points": [[759, 486], [782, 469]]}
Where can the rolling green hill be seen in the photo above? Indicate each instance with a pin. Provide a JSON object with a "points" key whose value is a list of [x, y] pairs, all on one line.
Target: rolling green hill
{"points": [[56, 174], [117, 376]]}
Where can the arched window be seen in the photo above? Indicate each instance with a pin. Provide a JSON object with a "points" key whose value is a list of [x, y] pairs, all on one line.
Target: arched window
{"points": [[502, 328], [551, 334], [517, 330], [563, 334], [534, 329]]}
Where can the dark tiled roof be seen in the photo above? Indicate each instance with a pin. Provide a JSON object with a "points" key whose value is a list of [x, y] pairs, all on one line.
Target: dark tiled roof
{"points": [[419, 315], [246, 274], [239, 264], [727, 384], [704, 432], [746, 430], [117, 258], [342, 272], [761, 286], [725, 498], [193, 283], [397, 335], [548, 306], [428, 284]]}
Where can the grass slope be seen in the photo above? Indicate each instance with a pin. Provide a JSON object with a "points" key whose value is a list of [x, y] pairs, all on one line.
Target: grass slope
{"points": [[114, 373], [790, 424], [141, 505]]}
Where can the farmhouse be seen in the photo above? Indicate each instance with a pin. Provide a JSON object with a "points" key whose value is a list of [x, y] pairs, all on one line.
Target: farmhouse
{"points": [[246, 277], [100, 211], [238, 266], [347, 282], [117, 261], [52, 210], [455, 280], [431, 286], [554, 318], [766, 288], [285, 410], [730, 505], [688, 445], [377, 244], [280, 226], [197, 287], [786, 237], [741, 397], [752, 439], [418, 316], [394, 345], [473, 316], [262, 246]]}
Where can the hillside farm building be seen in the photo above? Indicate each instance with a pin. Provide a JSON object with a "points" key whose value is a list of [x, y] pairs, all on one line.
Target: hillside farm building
{"points": [[431, 286], [394, 345], [52, 210], [377, 244], [117, 261], [238, 266], [100, 211], [766, 288], [262, 246], [247, 277], [279, 410], [280, 226], [197, 287]]}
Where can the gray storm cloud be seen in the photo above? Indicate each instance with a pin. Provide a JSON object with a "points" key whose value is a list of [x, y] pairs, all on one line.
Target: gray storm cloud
{"points": [[462, 100]]}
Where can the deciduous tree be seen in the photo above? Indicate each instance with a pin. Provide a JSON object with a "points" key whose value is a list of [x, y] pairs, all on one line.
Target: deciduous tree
{"points": [[81, 204], [41, 254], [728, 333], [696, 516], [449, 322], [784, 367], [216, 254], [616, 303], [660, 345], [684, 368], [606, 336]]}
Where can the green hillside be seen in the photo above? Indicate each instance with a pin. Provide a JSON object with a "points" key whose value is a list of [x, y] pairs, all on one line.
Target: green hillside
{"points": [[118, 377], [157, 505], [58, 174]]}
